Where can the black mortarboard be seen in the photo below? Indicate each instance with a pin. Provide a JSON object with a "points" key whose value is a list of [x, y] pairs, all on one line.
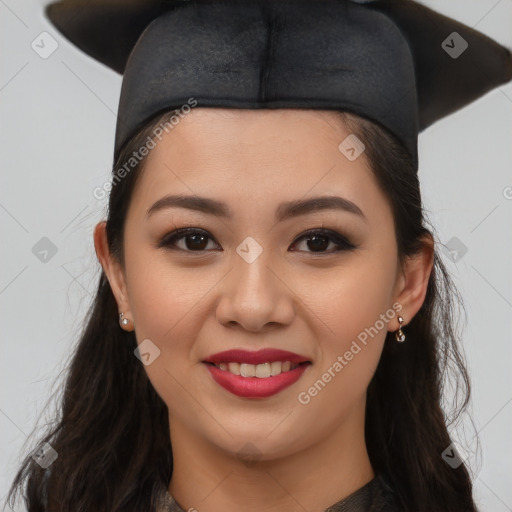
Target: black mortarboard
{"points": [[395, 62]]}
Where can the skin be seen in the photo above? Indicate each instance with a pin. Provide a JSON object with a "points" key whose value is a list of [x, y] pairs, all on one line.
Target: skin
{"points": [[193, 304]]}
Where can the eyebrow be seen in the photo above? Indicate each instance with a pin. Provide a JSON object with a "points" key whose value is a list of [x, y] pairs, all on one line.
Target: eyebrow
{"points": [[285, 211]]}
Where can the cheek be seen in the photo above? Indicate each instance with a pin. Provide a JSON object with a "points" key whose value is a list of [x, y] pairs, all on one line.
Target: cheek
{"points": [[358, 306], [352, 307], [166, 305], [162, 295], [344, 308], [351, 298], [169, 306]]}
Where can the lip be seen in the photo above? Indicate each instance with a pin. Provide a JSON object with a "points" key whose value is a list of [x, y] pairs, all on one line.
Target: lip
{"points": [[265, 355], [255, 387]]}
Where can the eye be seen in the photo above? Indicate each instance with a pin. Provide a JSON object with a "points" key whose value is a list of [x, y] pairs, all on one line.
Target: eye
{"points": [[194, 240], [320, 239]]}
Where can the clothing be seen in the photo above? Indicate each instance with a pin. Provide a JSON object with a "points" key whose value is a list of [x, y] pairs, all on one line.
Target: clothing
{"points": [[375, 496], [396, 63]]}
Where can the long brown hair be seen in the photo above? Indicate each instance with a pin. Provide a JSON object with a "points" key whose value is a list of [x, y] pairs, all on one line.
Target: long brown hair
{"points": [[112, 432]]}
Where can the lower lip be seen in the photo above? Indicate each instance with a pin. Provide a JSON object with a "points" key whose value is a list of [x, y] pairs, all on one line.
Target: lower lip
{"points": [[254, 387]]}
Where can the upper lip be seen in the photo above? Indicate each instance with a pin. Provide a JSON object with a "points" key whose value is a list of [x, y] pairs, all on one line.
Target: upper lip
{"points": [[265, 355]]}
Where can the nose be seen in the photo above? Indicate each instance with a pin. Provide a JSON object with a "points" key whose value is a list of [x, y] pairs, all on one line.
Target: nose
{"points": [[254, 296]]}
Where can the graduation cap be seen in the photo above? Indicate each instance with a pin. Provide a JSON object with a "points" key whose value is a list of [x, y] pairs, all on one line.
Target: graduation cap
{"points": [[395, 62]]}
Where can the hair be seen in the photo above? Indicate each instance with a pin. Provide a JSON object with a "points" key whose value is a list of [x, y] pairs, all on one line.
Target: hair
{"points": [[112, 432]]}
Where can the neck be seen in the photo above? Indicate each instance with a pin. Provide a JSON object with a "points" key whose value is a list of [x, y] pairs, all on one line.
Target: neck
{"points": [[210, 479]]}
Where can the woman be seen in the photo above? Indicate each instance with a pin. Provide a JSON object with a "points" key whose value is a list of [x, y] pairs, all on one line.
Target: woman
{"points": [[273, 319]]}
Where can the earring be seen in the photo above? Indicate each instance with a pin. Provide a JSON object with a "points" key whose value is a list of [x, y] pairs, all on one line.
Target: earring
{"points": [[400, 336], [122, 320]]}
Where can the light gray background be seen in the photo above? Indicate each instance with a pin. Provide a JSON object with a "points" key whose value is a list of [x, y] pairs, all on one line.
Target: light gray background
{"points": [[57, 117]]}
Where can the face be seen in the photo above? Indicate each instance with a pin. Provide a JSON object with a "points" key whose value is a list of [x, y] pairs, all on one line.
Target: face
{"points": [[252, 269]]}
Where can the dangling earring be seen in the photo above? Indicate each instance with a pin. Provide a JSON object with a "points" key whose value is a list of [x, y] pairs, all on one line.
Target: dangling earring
{"points": [[400, 336], [122, 320]]}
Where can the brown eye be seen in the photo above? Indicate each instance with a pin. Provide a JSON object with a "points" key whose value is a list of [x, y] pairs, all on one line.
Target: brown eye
{"points": [[192, 240], [196, 240], [318, 241]]}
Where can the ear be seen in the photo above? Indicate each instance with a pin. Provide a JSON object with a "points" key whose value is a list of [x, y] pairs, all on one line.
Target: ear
{"points": [[412, 282], [113, 270]]}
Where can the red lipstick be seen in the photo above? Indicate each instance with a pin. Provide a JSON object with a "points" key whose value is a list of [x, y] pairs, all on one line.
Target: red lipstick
{"points": [[256, 387], [265, 355]]}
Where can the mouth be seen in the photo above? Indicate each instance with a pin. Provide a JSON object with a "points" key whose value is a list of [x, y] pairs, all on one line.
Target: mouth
{"points": [[260, 371], [258, 374]]}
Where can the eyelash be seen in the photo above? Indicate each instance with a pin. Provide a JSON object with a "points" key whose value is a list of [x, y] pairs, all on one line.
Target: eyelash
{"points": [[170, 239]]}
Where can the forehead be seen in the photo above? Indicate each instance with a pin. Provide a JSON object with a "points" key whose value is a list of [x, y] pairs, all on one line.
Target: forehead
{"points": [[256, 156]]}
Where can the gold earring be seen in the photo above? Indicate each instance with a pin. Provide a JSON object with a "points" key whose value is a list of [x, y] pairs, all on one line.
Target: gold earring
{"points": [[400, 336]]}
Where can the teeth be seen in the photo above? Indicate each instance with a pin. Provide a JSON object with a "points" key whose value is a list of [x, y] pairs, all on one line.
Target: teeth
{"points": [[234, 368], [276, 368], [261, 371], [247, 370]]}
